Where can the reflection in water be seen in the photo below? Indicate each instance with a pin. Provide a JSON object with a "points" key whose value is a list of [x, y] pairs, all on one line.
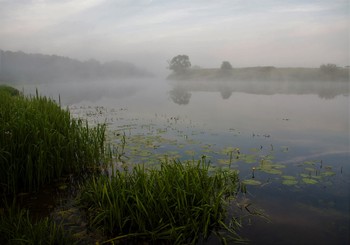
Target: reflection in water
{"points": [[180, 96], [180, 93]]}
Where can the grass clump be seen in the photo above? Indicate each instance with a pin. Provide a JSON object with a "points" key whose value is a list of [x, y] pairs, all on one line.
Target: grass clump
{"points": [[39, 142], [178, 203], [9, 90], [18, 227]]}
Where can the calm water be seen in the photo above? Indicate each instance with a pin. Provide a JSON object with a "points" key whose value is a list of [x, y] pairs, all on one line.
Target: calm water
{"points": [[295, 136]]}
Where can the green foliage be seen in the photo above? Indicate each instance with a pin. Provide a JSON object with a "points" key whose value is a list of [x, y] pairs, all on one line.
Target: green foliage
{"points": [[39, 142], [17, 227], [10, 90], [179, 63], [328, 68], [226, 66], [179, 203]]}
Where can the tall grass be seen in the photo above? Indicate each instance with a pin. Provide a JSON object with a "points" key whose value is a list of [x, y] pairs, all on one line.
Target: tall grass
{"points": [[178, 203], [39, 142], [18, 227]]}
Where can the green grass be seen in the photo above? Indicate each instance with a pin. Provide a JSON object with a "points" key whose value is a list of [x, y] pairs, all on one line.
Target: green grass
{"points": [[10, 90], [179, 203], [18, 227], [39, 142]]}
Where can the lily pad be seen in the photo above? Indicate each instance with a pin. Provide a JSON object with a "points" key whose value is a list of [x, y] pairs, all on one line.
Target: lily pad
{"points": [[251, 182], [328, 173], [310, 181], [289, 182], [288, 177], [271, 170]]}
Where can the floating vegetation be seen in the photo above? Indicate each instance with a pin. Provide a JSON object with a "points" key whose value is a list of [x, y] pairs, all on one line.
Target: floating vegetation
{"points": [[289, 180], [251, 182], [309, 181]]}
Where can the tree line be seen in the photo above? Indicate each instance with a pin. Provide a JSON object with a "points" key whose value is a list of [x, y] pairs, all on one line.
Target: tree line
{"points": [[23, 67]]}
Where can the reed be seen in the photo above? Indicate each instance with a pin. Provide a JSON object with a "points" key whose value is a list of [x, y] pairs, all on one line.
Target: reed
{"points": [[39, 142], [178, 203], [18, 227]]}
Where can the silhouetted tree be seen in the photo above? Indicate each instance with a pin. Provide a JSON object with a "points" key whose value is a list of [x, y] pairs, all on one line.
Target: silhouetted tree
{"points": [[226, 66], [329, 68], [179, 63]]}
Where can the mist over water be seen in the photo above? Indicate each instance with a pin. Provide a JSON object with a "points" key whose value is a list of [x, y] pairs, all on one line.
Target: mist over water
{"points": [[270, 78], [298, 126]]}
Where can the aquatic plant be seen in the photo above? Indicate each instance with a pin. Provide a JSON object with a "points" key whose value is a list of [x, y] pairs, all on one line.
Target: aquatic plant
{"points": [[39, 142], [18, 227], [179, 203]]}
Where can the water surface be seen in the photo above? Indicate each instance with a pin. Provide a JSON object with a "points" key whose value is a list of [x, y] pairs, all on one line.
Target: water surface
{"points": [[294, 135]]}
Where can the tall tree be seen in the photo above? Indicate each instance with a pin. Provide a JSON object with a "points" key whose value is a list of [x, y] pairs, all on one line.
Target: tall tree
{"points": [[179, 63]]}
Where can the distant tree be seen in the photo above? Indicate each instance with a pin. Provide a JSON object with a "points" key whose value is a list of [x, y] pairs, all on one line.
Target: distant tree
{"points": [[329, 68], [179, 63], [226, 66]]}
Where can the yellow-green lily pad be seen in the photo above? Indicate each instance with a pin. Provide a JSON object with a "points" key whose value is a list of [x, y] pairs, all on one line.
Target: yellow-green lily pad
{"points": [[328, 173], [310, 181], [289, 182], [251, 182]]}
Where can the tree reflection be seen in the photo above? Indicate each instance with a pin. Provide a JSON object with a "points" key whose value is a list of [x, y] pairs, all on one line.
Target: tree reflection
{"points": [[180, 96]]}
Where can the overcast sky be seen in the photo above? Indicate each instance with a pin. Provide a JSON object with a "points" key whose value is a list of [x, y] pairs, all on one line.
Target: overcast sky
{"points": [[150, 32]]}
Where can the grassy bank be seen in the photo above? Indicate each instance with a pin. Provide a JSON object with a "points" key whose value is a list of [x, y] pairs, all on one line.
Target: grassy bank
{"points": [[179, 203], [18, 227], [39, 142], [264, 73], [175, 203]]}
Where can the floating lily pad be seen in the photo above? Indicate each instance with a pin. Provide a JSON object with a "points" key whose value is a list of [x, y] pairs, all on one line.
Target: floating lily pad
{"points": [[328, 173], [310, 169], [309, 162], [288, 177], [251, 182], [310, 181], [289, 182], [249, 158], [271, 170]]}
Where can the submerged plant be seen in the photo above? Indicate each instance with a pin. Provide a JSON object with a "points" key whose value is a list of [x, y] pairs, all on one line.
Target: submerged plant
{"points": [[180, 203]]}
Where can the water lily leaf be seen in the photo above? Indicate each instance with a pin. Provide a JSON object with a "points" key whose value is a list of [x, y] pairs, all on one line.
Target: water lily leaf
{"points": [[310, 181], [271, 171], [224, 161], [251, 182], [289, 182], [288, 177], [248, 158], [310, 169], [328, 173], [309, 162]]}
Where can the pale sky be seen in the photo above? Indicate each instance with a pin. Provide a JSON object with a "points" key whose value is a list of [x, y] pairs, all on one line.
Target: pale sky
{"points": [[150, 32]]}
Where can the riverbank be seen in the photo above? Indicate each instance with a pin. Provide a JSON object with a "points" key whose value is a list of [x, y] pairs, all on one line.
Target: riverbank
{"points": [[264, 73]]}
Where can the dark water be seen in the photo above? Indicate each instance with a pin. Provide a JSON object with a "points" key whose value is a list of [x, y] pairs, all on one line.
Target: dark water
{"points": [[294, 135]]}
